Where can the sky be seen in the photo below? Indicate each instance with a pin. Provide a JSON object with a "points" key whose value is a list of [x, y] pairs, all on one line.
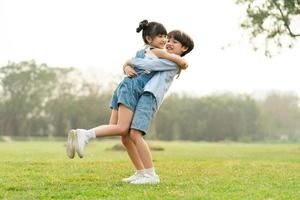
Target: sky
{"points": [[98, 36]]}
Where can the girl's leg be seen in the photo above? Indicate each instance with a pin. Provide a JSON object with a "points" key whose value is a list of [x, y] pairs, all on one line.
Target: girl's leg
{"points": [[124, 117], [113, 117]]}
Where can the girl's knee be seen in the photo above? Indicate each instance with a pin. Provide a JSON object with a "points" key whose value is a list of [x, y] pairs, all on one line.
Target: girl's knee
{"points": [[124, 130]]}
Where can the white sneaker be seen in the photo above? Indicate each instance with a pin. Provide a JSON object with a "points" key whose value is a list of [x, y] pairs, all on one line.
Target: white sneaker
{"points": [[80, 140], [146, 179], [134, 177], [70, 145]]}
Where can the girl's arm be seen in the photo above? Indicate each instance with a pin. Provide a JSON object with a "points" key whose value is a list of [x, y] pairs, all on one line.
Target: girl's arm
{"points": [[172, 57], [148, 64], [153, 64]]}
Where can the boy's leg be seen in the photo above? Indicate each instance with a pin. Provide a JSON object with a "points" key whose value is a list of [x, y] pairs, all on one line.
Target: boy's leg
{"points": [[148, 176], [130, 147], [135, 159], [142, 148], [132, 152], [143, 115]]}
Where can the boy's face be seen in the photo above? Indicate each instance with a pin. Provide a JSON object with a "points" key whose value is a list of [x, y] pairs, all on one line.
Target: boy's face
{"points": [[175, 47]]}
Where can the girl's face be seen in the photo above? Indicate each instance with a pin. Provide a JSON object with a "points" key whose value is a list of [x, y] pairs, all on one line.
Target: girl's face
{"points": [[158, 41], [175, 47]]}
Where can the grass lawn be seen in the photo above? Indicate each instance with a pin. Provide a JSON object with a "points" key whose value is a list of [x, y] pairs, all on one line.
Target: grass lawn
{"points": [[188, 170]]}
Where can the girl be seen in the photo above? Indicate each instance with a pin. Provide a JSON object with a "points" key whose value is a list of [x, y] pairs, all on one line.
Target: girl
{"points": [[126, 95]]}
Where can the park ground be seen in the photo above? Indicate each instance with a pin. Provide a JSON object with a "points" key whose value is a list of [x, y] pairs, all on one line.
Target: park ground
{"points": [[188, 170]]}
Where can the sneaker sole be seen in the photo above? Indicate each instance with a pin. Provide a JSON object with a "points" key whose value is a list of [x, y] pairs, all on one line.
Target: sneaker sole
{"points": [[76, 144], [70, 147], [150, 181], [145, 183]]}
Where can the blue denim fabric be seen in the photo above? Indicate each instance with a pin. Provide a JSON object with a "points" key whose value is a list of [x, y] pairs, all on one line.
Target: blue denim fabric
{"points": [[140, 53], [144, 111], [129, 91]]}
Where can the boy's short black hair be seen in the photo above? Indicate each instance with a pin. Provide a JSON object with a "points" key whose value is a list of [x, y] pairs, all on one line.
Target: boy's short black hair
{"points": [[184, 39]]}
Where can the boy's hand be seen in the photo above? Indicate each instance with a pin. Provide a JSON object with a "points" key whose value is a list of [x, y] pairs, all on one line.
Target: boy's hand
{"points": [[130, 72], [183, 63]]}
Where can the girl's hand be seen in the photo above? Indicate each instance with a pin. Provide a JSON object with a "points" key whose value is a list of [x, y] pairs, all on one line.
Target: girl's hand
{"points": [[172, 57], [130, 72], [160, 53]]}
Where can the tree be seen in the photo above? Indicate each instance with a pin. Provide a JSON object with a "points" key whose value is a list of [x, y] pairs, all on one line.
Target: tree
{"points": [[280, 116], [37, 100], [274, 21], [26, 87]]}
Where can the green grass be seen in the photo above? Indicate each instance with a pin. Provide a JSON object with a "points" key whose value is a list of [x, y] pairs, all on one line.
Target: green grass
{"points": [[41, 170]]}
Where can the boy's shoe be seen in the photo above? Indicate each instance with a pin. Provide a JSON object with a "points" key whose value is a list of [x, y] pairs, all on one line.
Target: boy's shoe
{"points": [[80, 140], [70, 145], [134, 177], [146, 179]]}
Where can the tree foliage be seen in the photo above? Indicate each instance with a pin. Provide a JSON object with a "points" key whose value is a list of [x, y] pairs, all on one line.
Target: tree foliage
{"points": [[276, 22]]}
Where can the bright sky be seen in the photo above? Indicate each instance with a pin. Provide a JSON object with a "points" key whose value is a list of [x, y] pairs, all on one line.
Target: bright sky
{"points": [[98, 36]]}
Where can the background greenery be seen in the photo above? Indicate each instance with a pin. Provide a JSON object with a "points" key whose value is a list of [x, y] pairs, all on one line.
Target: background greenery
{"points": [[38, 100]]}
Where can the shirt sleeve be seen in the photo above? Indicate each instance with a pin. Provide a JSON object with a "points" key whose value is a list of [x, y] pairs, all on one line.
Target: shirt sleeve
{"points": [[154, 64], [140, 53]]}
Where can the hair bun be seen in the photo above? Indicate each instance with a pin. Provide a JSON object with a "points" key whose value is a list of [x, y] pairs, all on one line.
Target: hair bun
{"points": [[142, 25]]}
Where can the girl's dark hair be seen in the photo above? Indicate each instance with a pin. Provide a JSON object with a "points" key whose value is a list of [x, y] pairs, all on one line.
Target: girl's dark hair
{"points": [[184, 39], [151, 29]]}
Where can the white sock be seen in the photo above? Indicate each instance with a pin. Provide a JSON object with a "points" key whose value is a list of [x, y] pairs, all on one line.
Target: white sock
{"points": [[91, 134], [140, 171], [150, 171]]}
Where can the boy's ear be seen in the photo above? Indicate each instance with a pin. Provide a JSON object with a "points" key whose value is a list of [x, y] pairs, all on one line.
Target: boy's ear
{"points": [[149, 39], [184, 49]]}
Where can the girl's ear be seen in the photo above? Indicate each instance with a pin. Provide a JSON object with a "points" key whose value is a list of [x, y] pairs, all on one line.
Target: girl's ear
{"points": [[149, 39]]}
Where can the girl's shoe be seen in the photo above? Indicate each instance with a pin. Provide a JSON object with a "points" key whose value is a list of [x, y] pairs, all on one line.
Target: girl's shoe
{"points": [[70, 145], [80, 140]]}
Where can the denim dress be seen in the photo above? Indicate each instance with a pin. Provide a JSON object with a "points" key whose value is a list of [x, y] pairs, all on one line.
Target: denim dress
{"points": [[129, 90]]}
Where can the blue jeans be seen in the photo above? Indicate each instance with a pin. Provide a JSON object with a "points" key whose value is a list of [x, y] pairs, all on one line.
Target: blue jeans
{"points": [[144, 112]]}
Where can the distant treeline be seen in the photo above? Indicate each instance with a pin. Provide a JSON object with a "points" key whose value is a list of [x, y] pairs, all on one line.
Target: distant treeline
{"points": [[38, 100]]}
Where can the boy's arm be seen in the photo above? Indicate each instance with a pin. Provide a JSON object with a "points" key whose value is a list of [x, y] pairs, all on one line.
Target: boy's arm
{"points": [[172, 57], [128, 70]]}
